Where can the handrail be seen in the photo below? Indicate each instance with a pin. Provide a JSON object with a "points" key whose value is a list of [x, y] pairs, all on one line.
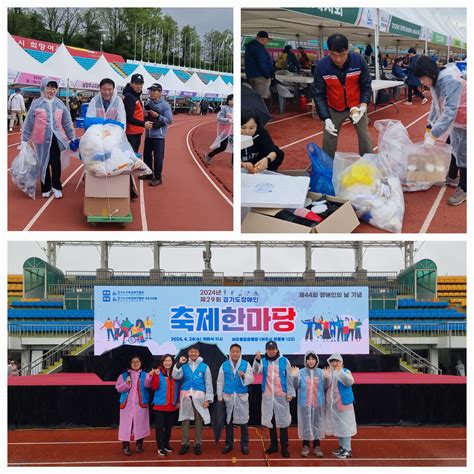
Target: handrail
{"points": [[384, 342], [55, 354]]}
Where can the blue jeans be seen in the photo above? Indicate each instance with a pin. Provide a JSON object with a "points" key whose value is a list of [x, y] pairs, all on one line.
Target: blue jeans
{"points": [[345, 443]]}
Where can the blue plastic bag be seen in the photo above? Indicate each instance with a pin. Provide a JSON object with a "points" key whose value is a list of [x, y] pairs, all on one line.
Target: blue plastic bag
{"points": [[89, 121], [321, 170]]}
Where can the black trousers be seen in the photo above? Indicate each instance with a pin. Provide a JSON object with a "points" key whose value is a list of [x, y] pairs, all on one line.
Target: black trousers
{"points": [[454, 169], [274, 436], [154, 155], [135, 141], [414, 90], [53, 172], [164, 421], [221, 148], [229, 434]]}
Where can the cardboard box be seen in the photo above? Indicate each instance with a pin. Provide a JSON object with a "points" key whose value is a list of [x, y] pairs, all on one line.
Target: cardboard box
{"points": [[109, 187], [107, 207], [344, 220], [425, 176]]}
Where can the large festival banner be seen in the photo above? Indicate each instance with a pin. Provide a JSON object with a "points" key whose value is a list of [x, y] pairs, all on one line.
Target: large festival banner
{"points": [[169, 318]]}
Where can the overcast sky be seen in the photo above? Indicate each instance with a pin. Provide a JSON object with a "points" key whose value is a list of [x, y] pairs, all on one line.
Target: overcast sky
{"points": [[204, 19], [450, 258]]}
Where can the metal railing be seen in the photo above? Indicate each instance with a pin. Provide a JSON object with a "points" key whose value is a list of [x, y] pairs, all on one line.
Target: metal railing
{"points": [[37, 330], [386, 344], [54, 355], [423, 329]]}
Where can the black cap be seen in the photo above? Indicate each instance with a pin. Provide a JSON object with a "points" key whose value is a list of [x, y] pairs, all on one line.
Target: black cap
{"points": [[155, 87], [137, 78], [263, 34], [271, 345]]}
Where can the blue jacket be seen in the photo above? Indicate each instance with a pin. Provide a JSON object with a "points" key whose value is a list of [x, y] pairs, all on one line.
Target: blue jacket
{"points": [[143, 395], [258, 62], [398, 72], [194, 380], [160, 123], [232, 382], [167, 392], [282, 365], [412, 80], [347, 395]]}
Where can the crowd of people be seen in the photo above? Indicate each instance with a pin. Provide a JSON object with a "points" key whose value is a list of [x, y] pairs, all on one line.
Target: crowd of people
{"points": [[342, 90], [183, 391]]}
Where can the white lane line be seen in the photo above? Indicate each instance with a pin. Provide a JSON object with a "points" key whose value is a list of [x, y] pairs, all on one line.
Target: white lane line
{"points": [[142, 207], [48, 202], [198, 164], [390, 440], [229, 460], [142, 194], [287, 118], [433, 210], [345, 123]]}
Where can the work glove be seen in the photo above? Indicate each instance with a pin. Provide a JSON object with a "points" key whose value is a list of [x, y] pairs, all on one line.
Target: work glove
{"points": [[330, 128], [74, 144], [357, 113], [429, 139]]}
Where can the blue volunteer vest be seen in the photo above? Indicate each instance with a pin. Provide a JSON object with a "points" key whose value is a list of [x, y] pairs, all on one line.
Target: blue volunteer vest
{"points": [[232, 382], [347, 395], [143, 395], [302, 393], [194, 380], [161, 397], [282, 363]]}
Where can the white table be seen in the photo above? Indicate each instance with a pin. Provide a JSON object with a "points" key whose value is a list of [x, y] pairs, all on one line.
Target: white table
{"points": [[379, 84], [293, 79]]}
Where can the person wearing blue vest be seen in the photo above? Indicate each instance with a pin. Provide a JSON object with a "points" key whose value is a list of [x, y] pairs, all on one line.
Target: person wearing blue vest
{"points": [[195, 396], [311, 387], [235, 375], [340, 415], [133, 387], [165, 403], [342, 89], [277, 392]]}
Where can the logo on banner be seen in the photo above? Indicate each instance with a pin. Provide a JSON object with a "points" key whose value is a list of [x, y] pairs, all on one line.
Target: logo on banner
{"points": [[106, 296]]}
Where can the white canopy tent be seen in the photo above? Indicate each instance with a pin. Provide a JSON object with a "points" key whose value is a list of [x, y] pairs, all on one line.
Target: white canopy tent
{"points": [[195, 85], [218, 86], [170, 82], [147, 77], [102, 69], [19, 61]]}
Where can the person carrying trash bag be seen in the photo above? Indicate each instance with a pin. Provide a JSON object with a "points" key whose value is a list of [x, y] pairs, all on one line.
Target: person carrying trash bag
{"points": [[311, 386], [448, 118], [235, 375], [49, 126], [195, 396], [342, 89], [340, 416], [277, 392]]}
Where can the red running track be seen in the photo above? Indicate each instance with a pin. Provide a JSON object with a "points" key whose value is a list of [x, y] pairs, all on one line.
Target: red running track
{"points": [[372, 446], [190, 198], [425, 211]]}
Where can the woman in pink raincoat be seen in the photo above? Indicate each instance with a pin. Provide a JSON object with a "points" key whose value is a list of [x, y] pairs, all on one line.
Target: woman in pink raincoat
{"points": [[225, 132], [134, 397]]}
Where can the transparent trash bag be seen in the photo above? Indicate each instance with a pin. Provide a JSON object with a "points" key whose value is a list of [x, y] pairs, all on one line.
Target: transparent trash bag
{"points": [[24, 170]]}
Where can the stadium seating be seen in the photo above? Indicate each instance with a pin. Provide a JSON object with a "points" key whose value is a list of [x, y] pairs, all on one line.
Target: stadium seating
{"points": [[452, 287], [409, 303]]}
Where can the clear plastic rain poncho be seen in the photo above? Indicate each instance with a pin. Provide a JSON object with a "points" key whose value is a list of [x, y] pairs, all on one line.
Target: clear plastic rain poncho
{"points": [[225, 120], [274, 399], [188, 398], [340, 419], [45, 118], [235, 403], [311, 401], [448, 114], [115, 110]]}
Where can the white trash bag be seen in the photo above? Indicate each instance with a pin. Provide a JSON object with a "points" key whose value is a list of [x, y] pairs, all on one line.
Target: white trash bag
{"points": [[24, 170], [393, 138], [373, 191], [105, 151]]}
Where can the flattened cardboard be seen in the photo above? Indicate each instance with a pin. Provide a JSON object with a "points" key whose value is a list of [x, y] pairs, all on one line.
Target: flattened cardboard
{"points": [[106, 207], [426, 176], [344, 220], [111, 187]]}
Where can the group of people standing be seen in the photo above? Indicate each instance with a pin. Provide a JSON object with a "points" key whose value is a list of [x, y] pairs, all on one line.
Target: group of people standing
{"points": [[184, 390]]}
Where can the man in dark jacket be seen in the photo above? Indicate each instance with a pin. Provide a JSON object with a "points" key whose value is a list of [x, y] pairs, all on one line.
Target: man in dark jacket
{"points": [[342, 89], [413, 82], [259, 64]]}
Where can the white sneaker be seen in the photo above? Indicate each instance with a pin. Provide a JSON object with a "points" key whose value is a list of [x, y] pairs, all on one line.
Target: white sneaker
{"points": [[424, 101], [57, 193], [408, 103], [47, 193], [10, 129]]}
